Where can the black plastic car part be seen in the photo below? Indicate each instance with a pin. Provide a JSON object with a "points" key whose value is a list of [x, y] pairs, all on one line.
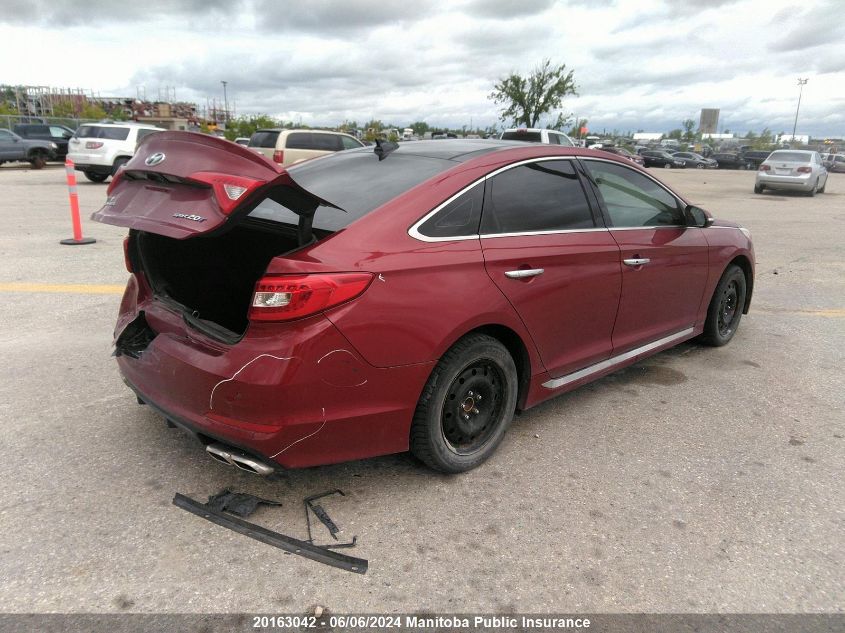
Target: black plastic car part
{"points": [[286, 543]]}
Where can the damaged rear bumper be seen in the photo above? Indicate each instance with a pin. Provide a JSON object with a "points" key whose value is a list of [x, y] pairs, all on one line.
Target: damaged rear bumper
{"points": [[301, 398]]}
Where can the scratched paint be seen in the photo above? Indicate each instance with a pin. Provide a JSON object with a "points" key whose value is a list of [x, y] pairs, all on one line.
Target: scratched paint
{"points": [[302, 438], [235, 375]]}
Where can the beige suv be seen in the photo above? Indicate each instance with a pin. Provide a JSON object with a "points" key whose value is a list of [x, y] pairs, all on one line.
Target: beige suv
{"points": [[292, 146]]}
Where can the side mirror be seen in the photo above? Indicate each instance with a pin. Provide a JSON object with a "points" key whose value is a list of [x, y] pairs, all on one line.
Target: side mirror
{"points": [[696, 216]]}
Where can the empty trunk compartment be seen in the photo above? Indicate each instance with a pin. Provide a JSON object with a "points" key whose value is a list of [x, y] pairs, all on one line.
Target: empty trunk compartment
{"points": [[212, 277]]}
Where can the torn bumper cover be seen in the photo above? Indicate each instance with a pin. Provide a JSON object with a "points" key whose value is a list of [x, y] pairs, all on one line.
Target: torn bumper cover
{"points": [[299, 399], [286, 543]]}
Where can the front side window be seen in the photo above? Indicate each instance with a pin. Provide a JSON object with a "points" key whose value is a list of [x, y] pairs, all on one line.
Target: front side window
{"points": [[542, 196], [632, 199], [349, 143]]}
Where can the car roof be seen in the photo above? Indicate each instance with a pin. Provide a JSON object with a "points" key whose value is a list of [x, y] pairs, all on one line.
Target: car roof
{"points": [[279, 129]]}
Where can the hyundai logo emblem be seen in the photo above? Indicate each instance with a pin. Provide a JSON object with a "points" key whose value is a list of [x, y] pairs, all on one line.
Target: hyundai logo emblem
{"points": [[155, 159]]}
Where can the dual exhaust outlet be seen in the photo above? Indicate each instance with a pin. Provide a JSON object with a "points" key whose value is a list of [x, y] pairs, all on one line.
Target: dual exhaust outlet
{"points": [[233, 457]]}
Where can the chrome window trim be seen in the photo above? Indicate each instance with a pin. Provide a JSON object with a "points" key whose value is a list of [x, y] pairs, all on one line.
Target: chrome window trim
{"points": [[415, 233], [615, 360], [596, 229], [646, 228]]}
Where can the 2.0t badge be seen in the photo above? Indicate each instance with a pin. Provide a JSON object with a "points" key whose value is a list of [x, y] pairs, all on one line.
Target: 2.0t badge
{"points": [[186, 216]]}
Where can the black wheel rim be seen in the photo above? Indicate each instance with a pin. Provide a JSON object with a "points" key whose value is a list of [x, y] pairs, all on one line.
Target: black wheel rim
{"points": [[473, 406], [728, 308]]}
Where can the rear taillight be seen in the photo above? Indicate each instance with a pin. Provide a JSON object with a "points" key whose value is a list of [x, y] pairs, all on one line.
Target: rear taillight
{"points": [[805, 170], [93, 145], [126, 260], [765, 168], [287, 297], [228, 190], [279, 156]]}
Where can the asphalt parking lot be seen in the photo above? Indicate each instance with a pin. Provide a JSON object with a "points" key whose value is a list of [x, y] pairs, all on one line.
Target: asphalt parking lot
{"points": [[699, 480]]}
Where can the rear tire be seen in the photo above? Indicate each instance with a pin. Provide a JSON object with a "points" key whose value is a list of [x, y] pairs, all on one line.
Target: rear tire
{"points": [[95, 177], [466, 405], [726, 306], [823, 188], [758, 188], [700, 166], [812, 192]]}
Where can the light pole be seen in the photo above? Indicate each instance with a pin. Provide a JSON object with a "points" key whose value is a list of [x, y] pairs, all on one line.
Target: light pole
{"points": [[801, 83], [225, 102]]}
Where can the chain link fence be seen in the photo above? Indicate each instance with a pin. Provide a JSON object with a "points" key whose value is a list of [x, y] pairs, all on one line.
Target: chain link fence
{"points": [[9, 121]]}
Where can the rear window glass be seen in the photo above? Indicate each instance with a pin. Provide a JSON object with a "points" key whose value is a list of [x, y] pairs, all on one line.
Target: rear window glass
{"points": [[264, 139], [791, 157], [109, 133], [355, 181], [533, 137]]}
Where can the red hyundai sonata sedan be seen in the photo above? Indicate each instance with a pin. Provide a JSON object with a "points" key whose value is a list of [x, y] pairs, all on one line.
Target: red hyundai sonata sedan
{"points": [[388, 299]]}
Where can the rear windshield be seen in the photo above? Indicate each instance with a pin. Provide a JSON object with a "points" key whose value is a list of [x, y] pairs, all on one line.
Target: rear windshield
{"points": [[356, 181], [790, 157], [266, 139], [307, 140], [96, 131], [533, 137]]}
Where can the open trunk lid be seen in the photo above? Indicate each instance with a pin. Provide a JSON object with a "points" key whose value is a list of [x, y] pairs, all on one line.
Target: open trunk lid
{"points": [[183, 184]]}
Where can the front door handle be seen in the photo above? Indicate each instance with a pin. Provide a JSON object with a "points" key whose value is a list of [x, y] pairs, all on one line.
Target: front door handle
{"points": [[636, 261], [523, 273]]}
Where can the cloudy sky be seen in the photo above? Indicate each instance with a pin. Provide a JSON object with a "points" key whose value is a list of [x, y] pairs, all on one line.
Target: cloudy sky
{"points": [[639, 64]]}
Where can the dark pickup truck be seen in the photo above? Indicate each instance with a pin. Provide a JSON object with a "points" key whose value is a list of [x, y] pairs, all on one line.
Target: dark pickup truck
{"points": [[35, 152], [58, 134]]}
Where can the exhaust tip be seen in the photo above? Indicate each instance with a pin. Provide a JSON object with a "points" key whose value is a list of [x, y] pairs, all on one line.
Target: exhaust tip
{"points": [[238, 459]]}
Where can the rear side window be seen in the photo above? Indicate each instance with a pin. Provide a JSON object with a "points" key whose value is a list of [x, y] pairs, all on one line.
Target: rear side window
{"points": [[266, 139], [545, 196], [458, 218], [108, 133], [533, 137], [632, 199], [326, 142], [299, 140]]}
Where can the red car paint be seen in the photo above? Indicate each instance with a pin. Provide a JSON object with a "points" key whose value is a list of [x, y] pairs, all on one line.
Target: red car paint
{"points": [[343, 384]]}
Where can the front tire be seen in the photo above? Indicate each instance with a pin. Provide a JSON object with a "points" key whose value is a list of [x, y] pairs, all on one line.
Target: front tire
{"points": [[466, 405], [667, 166], [38, 161], [726, 306]]}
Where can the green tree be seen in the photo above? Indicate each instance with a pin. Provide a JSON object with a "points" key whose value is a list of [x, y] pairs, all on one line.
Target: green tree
{"points": [[526, 99], [92, 111], [64, 108], [689, 126], [675, 134], [7, 109], [419, 128]]}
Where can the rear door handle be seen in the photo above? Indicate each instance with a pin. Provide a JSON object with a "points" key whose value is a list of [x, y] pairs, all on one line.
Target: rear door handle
{"points": [[523, 273], [637, 261]]}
